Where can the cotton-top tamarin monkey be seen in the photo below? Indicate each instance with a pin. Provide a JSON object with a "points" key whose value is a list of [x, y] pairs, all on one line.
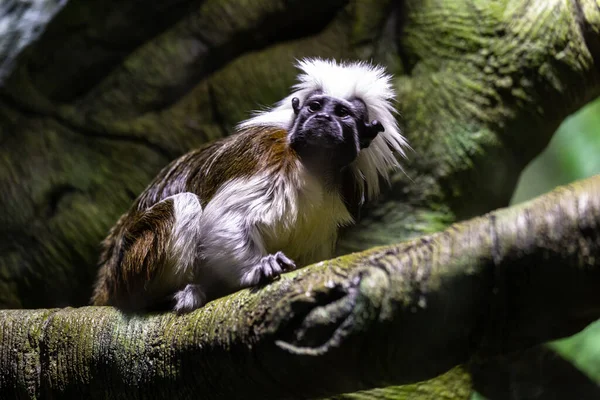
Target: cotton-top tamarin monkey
{"points": [[241, 211]]}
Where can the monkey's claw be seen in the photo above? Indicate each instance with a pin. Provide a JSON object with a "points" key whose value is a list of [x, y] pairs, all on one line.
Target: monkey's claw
{"points": [[269, 268], [284, 261], [273, 265]]}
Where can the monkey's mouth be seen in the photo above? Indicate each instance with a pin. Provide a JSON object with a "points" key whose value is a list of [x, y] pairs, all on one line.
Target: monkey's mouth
{"points": [[322, 147], [322, 133]]}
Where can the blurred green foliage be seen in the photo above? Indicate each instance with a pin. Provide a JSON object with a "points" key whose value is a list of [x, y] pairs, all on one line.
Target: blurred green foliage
{"points": [[573, 153], [583, 350]]}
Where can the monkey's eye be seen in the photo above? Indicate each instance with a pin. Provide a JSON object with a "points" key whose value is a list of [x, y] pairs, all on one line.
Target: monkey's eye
{"points": [[342, 111], [314, 106]]}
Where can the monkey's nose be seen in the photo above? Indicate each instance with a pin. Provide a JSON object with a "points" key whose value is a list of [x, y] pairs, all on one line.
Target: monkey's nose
{"points": [[324, 115]]}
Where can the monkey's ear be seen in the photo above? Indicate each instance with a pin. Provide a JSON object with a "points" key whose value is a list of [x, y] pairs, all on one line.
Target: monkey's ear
{"points": [[296, 105], [369, 133]]}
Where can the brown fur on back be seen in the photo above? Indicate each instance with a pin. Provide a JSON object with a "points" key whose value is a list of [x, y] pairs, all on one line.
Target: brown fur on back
{"points": [[205, 170], [134, 256], [135, 252]]}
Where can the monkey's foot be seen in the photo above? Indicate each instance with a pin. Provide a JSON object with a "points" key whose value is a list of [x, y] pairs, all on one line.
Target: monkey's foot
{"points": [[189, 298], [269, 268]]}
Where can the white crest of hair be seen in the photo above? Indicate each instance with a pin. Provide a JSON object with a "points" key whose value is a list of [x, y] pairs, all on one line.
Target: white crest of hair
{"points": [[347, 80]]}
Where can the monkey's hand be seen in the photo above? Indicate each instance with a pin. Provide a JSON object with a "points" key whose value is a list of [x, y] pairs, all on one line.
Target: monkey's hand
{"points": [[268, 268]]}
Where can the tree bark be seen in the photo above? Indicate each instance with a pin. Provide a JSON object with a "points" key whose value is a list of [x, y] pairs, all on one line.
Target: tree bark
{"points": [[388, 316]]}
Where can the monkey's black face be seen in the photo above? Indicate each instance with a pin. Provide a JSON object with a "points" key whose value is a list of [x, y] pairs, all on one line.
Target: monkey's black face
{"points": [[329, 132]]}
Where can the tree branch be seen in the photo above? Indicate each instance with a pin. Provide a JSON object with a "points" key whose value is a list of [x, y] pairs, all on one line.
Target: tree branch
{"points": [[391, 315]]}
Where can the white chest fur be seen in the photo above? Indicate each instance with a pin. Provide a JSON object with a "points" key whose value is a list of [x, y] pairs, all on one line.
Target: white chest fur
{"points": [[307, 229], [293, 214]]}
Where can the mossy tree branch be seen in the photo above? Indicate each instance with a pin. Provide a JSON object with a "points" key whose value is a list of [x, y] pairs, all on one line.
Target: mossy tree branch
{"points": [[390, 315]]}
